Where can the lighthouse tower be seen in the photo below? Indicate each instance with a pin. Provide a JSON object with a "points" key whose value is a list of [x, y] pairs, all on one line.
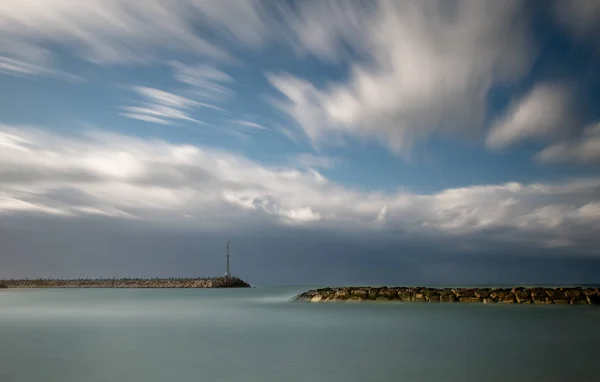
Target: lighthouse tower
{"points": [[227, 273]]}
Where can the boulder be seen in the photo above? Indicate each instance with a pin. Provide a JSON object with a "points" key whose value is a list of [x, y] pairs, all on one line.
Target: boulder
{"points": [[405, 295], [539, 296], [390, 294], [419, 297], [373, 293], [523, 296], [382, 298], [593, 299], [447, 297], [465, 293], [589, 291], [433, 297], [556, 294], [502, 295], [572, 292], [342, 294], [470, 299], [482, 292], [361, 293], [578, 300]]}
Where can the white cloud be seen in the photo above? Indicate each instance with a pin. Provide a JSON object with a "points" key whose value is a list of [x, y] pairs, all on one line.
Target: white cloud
{"points": [[425, 67], [21, 68], [208, 82], [250, 124], [159, 106], [315, 161], [160, 182], [585, 149], [543, 113], [121, 31], [581, 18]]}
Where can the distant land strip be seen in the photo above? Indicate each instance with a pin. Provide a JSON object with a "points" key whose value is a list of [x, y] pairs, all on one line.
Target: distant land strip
{"points": [[211, 282], [517, 295]]}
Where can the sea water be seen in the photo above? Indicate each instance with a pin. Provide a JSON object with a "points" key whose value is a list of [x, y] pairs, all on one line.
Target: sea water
{"points": [[259, 334]]}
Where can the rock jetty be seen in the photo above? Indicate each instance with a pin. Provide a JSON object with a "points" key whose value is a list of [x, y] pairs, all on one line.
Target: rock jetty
{"points": [[518, 295], [216, 282]]}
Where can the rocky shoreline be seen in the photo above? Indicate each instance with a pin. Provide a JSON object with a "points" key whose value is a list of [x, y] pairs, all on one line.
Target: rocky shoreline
{"points": [[215, 282], [517, 295]]}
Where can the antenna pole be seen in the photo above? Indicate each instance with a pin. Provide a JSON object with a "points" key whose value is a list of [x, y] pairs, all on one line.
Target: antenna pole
{"points": [[227, 273]]}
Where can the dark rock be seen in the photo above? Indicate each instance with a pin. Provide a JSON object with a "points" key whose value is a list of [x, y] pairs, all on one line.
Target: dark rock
{"points": [[578, 300], [556, 294], [433, 297], [382, 298], [390, 294], [2, 286], [448, 297], [360, 294], [503, 296], [419, 297], [523, 296], [465, 293], [482, 292], [342, 294], [539, 296], [572, 292], [373, 293], [470, 299], [405, 295], [593, 299]]}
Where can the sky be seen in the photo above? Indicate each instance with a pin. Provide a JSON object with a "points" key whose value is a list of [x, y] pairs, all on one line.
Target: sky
{"points": [[434, 142]]}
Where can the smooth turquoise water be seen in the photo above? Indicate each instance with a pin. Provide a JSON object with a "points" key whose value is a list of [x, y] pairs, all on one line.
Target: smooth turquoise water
{"points": [[259, 335]]}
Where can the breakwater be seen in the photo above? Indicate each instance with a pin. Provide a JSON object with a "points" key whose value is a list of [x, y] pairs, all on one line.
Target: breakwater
{"points": [[517, 295], [215, 282]]}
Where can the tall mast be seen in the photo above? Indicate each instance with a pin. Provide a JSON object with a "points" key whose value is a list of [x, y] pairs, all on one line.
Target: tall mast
{"points": [[227, 273]]}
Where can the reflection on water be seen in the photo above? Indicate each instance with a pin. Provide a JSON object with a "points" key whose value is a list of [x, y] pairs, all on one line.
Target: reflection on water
{"points": [[260, 335]]}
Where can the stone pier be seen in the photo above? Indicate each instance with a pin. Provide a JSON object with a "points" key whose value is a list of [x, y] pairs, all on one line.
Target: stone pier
{"points": [[517, 295]]}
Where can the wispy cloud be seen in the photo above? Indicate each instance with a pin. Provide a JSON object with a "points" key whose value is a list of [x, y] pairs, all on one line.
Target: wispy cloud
{"points": [[15, 67], [412, 80], [250, 124], [543, 114], [207, 82], [315, 161], [159, 106], [584, 149]]}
